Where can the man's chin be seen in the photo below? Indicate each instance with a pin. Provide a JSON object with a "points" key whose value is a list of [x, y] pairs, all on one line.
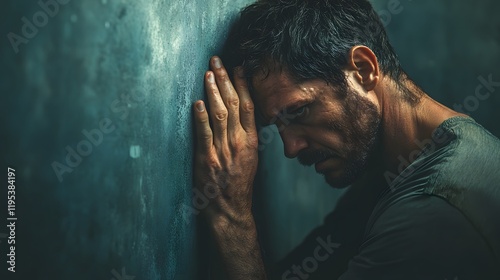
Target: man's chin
{"points": [[338, 180], [337, 183]]}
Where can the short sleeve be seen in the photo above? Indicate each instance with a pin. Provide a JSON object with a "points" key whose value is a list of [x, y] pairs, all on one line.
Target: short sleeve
{"points": [[422, 237]]}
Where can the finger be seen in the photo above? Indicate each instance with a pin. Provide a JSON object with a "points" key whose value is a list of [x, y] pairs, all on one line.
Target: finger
{"points": [[218, 111], [247, 117], [227, 93], [204, 135]]}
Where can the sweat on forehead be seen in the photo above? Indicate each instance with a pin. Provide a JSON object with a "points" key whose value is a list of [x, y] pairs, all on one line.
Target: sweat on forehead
{"points": [[278, 93]]}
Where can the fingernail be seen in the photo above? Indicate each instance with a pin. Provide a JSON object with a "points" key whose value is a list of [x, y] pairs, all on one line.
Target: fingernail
{"points": [[211, 77], [217, 62], [200, 107]]}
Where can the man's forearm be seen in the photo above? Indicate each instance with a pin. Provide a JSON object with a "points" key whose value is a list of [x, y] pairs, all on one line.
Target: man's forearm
{"points": [[238, 246]]}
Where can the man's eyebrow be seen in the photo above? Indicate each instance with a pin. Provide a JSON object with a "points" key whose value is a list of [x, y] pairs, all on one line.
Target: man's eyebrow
{"points": [[285, 111]]}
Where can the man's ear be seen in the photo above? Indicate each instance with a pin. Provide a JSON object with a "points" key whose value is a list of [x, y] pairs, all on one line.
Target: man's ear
{"points": [[364, 62]]}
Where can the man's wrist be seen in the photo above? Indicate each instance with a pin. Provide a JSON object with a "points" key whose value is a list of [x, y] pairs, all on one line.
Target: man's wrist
{"points": [[225, 222]]}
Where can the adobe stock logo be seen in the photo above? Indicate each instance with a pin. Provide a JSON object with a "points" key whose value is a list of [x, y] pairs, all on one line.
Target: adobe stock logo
{"points": [[310, 264], [483, 91], [84, 148], [39, 19], [122, 276], [200, 200], [3, 235]]}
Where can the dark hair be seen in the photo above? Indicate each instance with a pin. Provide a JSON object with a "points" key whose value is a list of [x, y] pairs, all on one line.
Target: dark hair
{"points": [[310, 38]]}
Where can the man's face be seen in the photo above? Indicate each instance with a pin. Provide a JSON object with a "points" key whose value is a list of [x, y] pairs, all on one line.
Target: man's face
{"points": [[336, 130]]}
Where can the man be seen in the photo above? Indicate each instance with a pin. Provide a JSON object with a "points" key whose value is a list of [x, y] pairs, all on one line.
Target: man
{"points": [[424, 179]]}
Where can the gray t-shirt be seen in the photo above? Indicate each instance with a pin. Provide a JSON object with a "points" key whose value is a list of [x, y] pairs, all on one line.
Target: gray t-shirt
{"points": [[437, 219]]}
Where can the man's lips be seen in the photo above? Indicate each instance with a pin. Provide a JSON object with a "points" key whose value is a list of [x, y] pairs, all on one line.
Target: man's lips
{"points": [[310, 158]]}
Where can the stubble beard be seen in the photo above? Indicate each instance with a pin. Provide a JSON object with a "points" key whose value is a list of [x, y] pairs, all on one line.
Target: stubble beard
{"points": [[361, 127]]}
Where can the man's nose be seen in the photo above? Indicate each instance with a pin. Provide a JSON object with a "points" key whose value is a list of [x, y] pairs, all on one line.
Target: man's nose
{"points": [[293, 142]]}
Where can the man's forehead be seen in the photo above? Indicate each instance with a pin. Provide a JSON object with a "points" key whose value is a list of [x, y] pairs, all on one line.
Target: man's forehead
{"points": [[276, 92]]}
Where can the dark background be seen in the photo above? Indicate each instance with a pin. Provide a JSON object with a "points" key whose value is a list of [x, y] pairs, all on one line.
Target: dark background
{"points": [[136, 67]]}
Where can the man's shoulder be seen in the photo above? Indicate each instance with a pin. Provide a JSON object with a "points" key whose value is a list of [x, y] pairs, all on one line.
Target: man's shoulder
{"points": [[469, 157], [444, 200], [461, 164], [459, 151], [421, 231], [468, 177]]}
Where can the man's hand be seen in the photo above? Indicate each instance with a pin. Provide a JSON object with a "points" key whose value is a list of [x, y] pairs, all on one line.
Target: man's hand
{"points": [[224, 170], [226, 150]]}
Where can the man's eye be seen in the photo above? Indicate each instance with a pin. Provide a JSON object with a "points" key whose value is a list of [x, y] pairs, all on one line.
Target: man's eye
{"points": [[302, 111]]}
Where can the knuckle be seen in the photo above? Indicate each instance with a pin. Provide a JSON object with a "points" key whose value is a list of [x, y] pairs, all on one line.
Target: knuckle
{"points": [[237, 148], [212, 161], [206, 136], [233, 102], [222, 75], [253, 142], [202, 119], [209, 161], [248, 106], [241, 84], [240, 143], [221, 115], [214, 90]]}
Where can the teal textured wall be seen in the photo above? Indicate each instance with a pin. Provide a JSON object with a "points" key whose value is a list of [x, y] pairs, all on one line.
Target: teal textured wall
{"points": [[125, 73]]}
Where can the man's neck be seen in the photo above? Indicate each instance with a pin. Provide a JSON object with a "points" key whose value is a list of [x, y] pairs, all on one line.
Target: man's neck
{"points": [[406, 125]]}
